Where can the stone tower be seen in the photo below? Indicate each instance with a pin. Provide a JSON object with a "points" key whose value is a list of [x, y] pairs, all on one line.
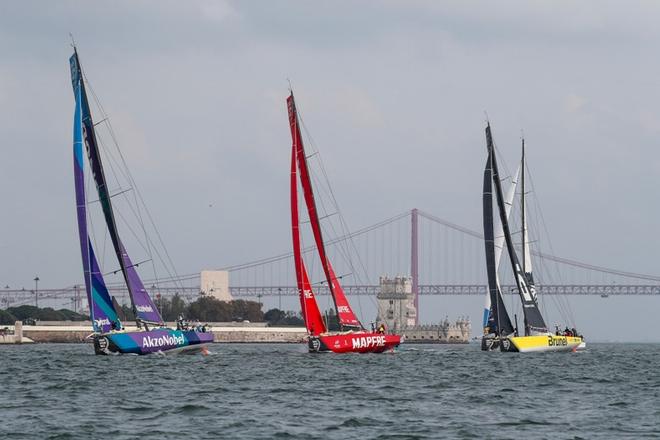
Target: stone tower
{"points": [[396, 304]]}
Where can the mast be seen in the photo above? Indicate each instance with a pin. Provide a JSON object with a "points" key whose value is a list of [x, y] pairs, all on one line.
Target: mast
{"points": [[532, 315], [345, 314], [522, 206], [144, 308], [526, 254]]}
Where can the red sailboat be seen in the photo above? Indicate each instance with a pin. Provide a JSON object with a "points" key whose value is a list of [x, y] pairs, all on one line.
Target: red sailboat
{"points": [[352, 337]]}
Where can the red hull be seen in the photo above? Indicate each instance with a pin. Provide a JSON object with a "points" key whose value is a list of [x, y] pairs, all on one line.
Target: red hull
{"points": [[357, 342]]}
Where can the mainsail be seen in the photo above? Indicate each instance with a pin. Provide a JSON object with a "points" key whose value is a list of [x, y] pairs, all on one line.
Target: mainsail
{"points": [[144, 308], [533, 320], [310, 309], [102, 312], [499, 243], [496, 317], [345, 314]]}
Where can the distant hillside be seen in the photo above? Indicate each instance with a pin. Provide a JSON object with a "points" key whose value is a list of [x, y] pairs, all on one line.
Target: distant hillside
{"points": [[7, 318]]}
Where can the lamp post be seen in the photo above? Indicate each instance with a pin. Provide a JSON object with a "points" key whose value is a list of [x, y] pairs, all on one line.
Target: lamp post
{"points": [[36, 291]]}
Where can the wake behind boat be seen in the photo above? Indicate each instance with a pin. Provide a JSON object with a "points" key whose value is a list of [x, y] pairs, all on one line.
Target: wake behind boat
{"points": [[499, 332], [109, 335], [353, 337]]}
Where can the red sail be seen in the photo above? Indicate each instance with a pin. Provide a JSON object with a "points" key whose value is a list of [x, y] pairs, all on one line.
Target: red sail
{"points": [[344, 312], [310, 309]]}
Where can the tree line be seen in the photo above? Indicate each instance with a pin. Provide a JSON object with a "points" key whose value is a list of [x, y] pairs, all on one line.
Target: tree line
{"points": [[204, 309], [26, 312]]}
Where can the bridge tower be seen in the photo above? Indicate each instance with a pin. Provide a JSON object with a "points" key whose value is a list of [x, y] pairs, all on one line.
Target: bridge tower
{"points": [[414, 261]]}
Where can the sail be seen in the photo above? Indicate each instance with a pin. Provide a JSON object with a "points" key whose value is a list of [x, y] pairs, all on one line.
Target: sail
{"points": [[496, 318], [499, 244], [102, 312], [526, 253], [533, 319], [345, 314], [310, 309], [144, 307]]}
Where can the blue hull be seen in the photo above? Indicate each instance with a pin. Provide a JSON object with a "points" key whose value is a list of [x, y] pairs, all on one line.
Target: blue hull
{"points": [[153, 341]]}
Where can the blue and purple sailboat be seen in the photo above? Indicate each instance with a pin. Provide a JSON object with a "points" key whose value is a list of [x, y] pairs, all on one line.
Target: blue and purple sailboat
{"points": [[109, 335]]}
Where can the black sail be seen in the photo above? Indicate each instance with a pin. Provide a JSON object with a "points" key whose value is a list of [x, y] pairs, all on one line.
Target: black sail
{"points": [[498, 322], [533, 319]]}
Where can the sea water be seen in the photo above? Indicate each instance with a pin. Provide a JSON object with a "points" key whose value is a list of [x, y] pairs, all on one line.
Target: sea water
{"points": [[54, 391]]}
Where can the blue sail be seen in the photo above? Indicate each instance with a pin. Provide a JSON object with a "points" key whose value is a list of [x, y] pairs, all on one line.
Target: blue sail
{"points": [[102, 313]]}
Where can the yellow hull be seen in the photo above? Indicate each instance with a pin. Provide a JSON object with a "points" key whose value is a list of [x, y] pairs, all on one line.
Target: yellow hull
{"points": [[530, 344]]}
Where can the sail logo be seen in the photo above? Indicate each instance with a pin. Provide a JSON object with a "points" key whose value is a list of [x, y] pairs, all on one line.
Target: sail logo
{"points": [[532, 290], [144, 309], [164, 340], [524, 288], [343, 309], [554, 341], [368, 341], [308, 294], [102, 322]]}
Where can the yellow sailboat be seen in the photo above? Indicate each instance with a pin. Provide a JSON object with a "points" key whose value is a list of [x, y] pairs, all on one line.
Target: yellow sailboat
{"points": [[499, 332]]}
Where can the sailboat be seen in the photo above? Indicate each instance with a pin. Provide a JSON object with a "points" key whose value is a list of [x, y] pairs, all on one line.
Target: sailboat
{"points": [[499, 331], [109, 335], [352, 337]]}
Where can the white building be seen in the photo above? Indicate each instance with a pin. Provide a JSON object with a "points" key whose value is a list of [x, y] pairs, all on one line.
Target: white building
{"points": [[215, 283]]}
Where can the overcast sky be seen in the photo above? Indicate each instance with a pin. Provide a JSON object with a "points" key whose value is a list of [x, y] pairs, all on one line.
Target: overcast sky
{"points": [[394, 94]]}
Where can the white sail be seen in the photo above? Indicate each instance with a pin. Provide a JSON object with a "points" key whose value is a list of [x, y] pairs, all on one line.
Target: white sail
{"points": [[526, 250]]}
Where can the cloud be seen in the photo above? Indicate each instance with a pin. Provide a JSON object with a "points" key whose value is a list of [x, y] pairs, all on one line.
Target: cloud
{"points": [[574, 103]]}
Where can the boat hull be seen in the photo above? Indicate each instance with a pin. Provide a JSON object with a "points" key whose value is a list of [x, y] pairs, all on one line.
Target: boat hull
{"points": [[358, 342], [530, 344], [540, 343], [163, 340]]}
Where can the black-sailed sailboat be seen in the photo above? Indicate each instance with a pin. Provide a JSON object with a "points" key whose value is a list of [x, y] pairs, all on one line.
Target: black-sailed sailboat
{"points": [[499, 331]]}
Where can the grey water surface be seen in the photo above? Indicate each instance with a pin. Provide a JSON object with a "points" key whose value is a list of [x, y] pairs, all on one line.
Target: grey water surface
{"points": [[54, 391]]}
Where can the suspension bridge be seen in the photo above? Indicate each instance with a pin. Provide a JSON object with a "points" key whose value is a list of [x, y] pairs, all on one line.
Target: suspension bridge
{"points": [[441, 257]]}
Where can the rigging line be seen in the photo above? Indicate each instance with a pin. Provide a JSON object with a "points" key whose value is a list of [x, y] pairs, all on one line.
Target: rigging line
{"points": [[137, 191], [567, 313], [305, 250], [113, 272], [343, 223], [135, 208], [113, 195], [563, 306], [100, 122]]}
